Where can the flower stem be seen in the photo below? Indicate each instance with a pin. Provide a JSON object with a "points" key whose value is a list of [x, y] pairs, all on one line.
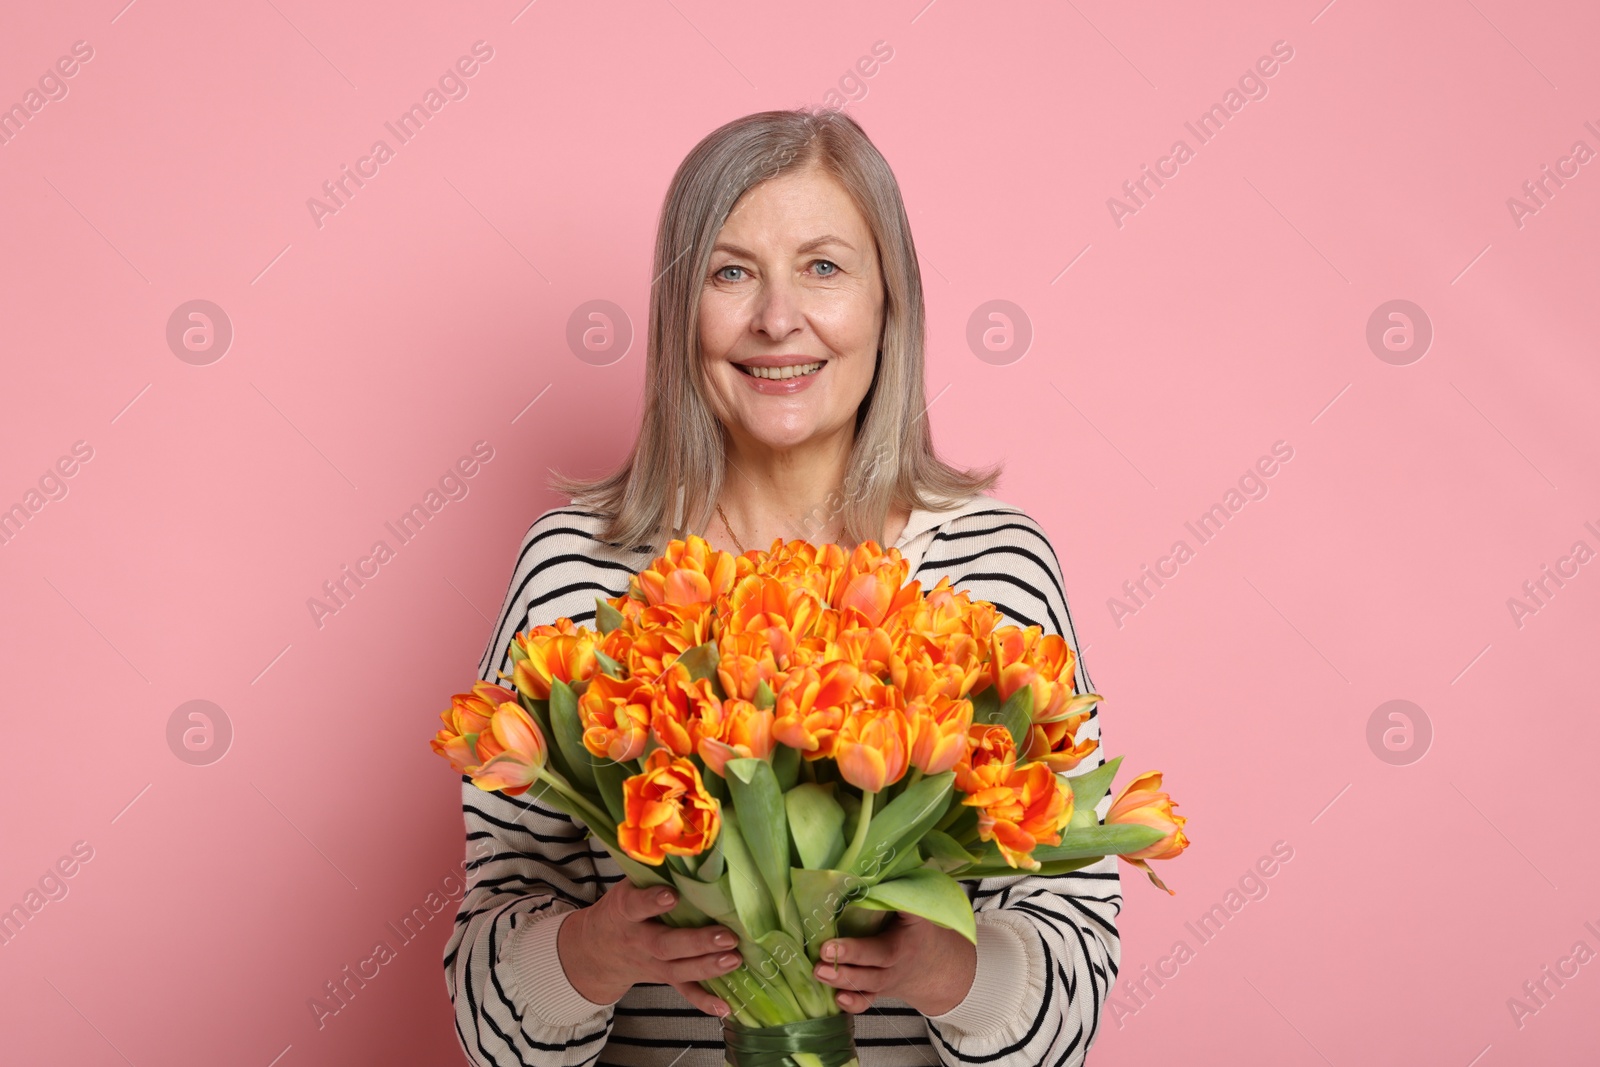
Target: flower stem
{"points": [[597, 819], [860, 839]]}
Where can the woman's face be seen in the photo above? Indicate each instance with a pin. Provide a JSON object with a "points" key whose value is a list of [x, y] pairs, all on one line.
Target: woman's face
{"points": [[793, 282]]}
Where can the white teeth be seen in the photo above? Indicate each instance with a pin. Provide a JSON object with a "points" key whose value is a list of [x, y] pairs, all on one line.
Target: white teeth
{"points": [[780, 373]]}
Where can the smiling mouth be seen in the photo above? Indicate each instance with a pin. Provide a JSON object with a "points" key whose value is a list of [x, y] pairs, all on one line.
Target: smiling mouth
{"points": [[798, 370]]}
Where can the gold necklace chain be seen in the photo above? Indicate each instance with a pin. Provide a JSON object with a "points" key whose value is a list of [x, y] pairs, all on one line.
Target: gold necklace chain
{"points": [[729, 528]]}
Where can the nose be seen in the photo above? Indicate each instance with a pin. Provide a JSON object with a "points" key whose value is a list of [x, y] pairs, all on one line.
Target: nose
{"points": [[778, 311]]}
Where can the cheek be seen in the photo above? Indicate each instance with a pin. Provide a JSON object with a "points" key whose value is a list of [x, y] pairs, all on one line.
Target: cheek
{"points": [[719, 325], [849, 323]]}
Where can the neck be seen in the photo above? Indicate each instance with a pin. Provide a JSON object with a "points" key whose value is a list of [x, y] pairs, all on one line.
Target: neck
{"points": [[788, 495]]}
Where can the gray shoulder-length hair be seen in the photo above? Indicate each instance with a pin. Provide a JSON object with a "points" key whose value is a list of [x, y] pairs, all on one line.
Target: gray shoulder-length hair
{"points": [[681, 443]]}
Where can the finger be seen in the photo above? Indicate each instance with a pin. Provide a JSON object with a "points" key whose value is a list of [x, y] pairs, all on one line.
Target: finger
{"points": [[639, 903], [698, 967], [855, 979], [861, 951], [677, 943], [706, 1002], [854, 1003]]}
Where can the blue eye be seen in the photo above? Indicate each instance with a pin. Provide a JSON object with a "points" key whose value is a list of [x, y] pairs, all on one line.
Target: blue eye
{"points": [[832, 264], [730, 267]]}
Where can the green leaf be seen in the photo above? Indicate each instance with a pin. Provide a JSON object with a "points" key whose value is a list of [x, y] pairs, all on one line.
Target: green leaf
{"points": [[1091, 842], [607, 664], [903, 821], [701, 661], [714, 897], [759, 803], [816, 821], [751, 899], [1090, 787], [859, 921], [568, 732], [765, 697], [945, 853], [786, 765], [1113, 840], [985, 706], [908, 858], [933, 895], [818, 896], [609, 776], [1017, 716], [1046, 870], [794, 968], [712, 864], [606, 617]]}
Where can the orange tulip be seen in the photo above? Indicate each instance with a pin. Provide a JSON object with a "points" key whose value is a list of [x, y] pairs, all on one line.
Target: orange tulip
{"points": [[1029, 808], [616, 717], [520, 756], [1143, 803], [867, 648], [545, 657], [652, 650], [812, 705], [743, 731], [677, 707], [667, 810], [689, 572], [940, 733], [744, 661], [874, 584], [1053, 744], [990, 757], [780, 613], [873, 744], [467, 716]]}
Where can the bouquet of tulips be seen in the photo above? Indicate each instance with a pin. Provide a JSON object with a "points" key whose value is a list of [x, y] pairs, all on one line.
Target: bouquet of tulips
{"points": [[799, 742]]}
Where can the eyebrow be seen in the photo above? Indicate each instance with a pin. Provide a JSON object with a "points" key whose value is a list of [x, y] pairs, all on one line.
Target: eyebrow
{"points": [[811, 245]]}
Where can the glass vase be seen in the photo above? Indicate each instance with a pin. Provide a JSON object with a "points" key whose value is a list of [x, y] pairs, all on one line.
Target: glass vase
{"points": [[825, 1042]]}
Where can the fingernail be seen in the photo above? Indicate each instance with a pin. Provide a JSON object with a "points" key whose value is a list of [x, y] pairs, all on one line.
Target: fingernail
{"points": [[827, 972], [727, 959], [665, 896], [723, 939], [830, 951]]}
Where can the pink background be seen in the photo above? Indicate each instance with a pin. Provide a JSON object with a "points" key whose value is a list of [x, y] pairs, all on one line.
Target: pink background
{"points": [[1230, 312]]}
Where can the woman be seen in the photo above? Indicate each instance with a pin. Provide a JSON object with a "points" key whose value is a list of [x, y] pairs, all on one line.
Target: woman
{"points": [[784, 399]]}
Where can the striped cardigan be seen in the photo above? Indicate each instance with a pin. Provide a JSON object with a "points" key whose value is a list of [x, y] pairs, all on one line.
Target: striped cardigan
{"points": [[1048, 948]]}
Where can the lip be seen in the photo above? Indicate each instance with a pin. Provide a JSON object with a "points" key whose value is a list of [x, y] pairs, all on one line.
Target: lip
{"points": [[786, 387], [786, 360]]}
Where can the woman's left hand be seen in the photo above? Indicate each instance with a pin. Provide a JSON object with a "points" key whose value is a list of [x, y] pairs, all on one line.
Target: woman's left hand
{"points": [[926, 965]]}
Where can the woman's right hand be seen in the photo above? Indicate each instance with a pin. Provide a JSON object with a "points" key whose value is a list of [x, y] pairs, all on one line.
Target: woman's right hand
{"points": [[616, 942]]}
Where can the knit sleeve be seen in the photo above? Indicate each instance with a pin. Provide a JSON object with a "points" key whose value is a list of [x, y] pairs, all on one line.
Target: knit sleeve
{"points": [[529, 866], [1048, 948]]}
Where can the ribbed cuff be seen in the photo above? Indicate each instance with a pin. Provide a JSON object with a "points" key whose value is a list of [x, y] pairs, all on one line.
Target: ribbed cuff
{"points": [[998, 985], [538, 984]]}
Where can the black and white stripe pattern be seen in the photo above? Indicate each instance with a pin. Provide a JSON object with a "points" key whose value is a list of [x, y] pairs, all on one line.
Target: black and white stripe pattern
{"points": [[543, 863]]}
